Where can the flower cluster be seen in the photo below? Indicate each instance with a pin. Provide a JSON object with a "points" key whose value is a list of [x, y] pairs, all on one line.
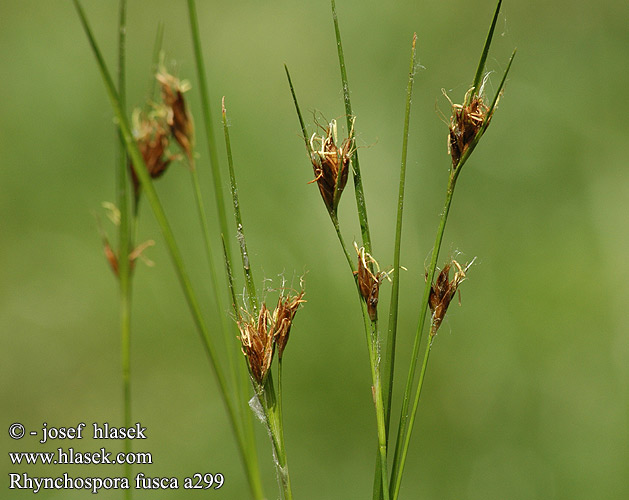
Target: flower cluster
{"points": [[262, 334], [330, 163], [153, 131], [442, 291], [368, 282], [467, 123]]}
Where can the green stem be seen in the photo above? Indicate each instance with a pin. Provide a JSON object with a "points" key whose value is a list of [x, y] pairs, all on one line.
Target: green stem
{"points": [[406, 420], [125, 338], [280, 414], [370, 328], [160, 216], [397, 480], [483, 58], [273, 413], [242, 386], [301, 119], [252, 298], [124, 242], [358, 183], [240, 232], [371, 333], [219, 301], [242, 378], [389, 362], [207, 120], [348, 257], [388, 368]]}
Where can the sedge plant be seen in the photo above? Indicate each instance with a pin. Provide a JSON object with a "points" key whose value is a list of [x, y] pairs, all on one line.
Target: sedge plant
{"points": [[468, 123], [251, 384]]}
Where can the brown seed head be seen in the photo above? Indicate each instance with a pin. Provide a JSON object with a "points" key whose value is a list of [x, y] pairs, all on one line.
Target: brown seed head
{"points": [[259, 336], [257, 343], [368, 282], [177, 116], [152, 140], [330, 163], [442, 292], [283, 319], [465, 123]]}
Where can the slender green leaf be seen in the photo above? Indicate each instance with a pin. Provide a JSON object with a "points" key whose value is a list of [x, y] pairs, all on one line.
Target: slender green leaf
{"points": [[483, 58], [207, 120], [358, 183], [388, 367], [252, 297], [301, 119]]}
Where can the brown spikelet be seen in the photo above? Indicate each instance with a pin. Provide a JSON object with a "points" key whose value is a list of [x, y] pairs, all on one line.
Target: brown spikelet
{"points": [[177, 116], [260, 336], [330, 163], [465, 123], [283, 319], [257, 344], [442, 291], [152, 140], [368, 282]]}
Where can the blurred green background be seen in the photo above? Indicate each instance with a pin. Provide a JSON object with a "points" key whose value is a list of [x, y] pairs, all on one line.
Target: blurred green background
{"points": [[527, 390]]}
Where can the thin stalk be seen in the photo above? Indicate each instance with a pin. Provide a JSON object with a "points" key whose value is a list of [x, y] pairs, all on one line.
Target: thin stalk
{"points": [[397, 480], [483, 58], [279, 392], [207, 120], [371, 333], [252, 298], [388, 368], [358, 183], [252, 462], [280, 415], [348, 258], [389, 360], [406, 421], [241, 379], [124, 241], [370, 328], [270, 405], [160, 216], [301, 119], [219, 301]]}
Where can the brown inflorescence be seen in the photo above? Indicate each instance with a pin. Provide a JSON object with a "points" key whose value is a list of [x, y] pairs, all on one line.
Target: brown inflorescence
{"points": [[466, 122], [260, 336], [368, 282], [177, 116], [330, 163], [442, 291], [152, 140]]}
